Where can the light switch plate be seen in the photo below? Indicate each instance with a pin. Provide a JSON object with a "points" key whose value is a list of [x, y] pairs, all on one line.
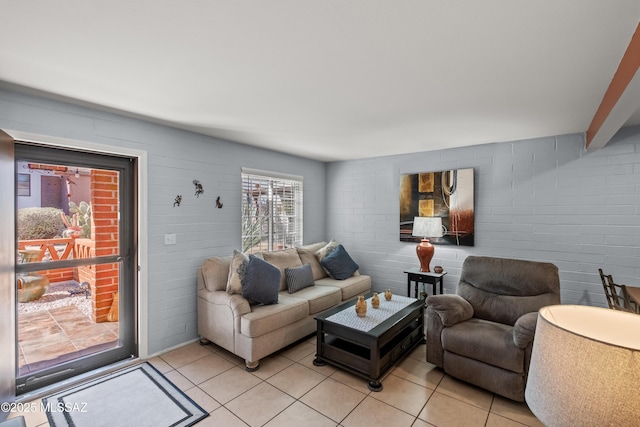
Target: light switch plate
{"points": [[170, 239]]}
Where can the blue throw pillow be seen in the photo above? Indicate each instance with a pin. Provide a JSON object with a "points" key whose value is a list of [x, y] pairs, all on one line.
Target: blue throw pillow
{"points": [[339, 264], [261, 282], [299, 277]]}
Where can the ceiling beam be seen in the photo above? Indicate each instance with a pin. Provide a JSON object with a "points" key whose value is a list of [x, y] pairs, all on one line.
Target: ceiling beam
{"points": [[621, 99]]}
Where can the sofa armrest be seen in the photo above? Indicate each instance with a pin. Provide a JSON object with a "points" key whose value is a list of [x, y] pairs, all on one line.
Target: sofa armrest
{"points": [[219, 315], [525, 329], [451, 309], [236, 303]]}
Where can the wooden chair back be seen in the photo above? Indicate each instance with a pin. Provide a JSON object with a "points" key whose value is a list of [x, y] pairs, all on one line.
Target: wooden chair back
{"points": [[617, 296]]}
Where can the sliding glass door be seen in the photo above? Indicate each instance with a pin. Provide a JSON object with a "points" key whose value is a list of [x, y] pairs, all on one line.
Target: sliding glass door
{"points": [[76, 263]]}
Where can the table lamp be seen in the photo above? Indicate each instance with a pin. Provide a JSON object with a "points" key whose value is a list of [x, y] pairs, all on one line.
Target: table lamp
{"points": [[585, 367], [425, 227]]}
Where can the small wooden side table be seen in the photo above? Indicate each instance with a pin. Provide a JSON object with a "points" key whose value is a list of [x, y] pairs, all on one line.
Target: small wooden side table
{"points": [[417, 276]]}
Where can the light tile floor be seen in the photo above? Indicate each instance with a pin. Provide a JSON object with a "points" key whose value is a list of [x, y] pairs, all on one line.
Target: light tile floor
{"points": [[288, 390]]}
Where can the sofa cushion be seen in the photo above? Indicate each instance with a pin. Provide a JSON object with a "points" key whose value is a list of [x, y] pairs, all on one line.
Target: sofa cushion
{"points": [[350, 287], [267, 318], [320, 297], [215, 272], [339, 264], [298, 278], [237, 272], [308, 256], [262, 282], [485, 341], [287, 258]]}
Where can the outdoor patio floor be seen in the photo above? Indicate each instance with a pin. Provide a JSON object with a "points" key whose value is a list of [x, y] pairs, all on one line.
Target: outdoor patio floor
{"points": [[49, 337]]}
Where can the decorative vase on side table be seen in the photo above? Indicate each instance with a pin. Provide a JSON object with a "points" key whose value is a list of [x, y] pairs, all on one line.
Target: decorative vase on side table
{"points": [[425, 252], [425, 227]]}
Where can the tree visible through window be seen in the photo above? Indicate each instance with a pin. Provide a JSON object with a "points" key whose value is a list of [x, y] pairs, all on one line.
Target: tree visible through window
{"points": [[271, 211]]}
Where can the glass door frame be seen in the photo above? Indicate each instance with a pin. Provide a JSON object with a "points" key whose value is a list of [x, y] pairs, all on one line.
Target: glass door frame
{"points": [[124, 257], [140, 240], [7, 276]]}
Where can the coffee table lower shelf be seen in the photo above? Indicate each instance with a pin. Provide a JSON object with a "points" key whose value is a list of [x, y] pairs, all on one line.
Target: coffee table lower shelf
{"points": [[370, 354]]}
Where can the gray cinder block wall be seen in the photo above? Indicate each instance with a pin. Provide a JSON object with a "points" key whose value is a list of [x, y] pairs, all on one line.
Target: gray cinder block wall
{"points": [[543, 199], [175, 159]]}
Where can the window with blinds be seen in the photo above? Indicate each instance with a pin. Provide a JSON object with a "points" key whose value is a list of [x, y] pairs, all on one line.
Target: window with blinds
{"points": [[271, 211]]}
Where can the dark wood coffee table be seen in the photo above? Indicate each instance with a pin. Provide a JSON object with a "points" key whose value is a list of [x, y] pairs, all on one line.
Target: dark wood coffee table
{"points": [[344, 340]]}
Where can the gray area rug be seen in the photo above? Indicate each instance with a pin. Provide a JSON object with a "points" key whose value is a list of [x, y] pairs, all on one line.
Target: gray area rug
{"points": [[135, 396]]}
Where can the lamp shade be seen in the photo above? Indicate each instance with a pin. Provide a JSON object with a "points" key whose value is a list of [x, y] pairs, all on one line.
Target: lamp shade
{"points": [[585, 367], [427, 226]]}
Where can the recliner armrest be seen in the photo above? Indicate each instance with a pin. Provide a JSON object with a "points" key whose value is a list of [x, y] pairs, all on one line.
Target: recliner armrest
{"points": [[525, 329], [451, 309]]}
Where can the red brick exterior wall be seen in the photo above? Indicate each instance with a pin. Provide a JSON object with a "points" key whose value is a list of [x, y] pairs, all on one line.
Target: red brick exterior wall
{"points": [[58, 275], [104, 233]]}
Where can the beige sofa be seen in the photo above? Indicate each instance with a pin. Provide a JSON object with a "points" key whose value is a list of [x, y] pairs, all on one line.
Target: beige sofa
{"points": [[256, 331]]}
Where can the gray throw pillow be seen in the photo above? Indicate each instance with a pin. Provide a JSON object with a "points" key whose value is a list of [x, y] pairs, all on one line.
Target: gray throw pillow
{"points": [[339, 264], [261, 282], [299, 277]]}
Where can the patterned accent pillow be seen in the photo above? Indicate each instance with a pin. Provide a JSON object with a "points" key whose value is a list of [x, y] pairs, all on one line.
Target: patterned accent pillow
{"points": [[299, 278], [339, 264], [237, 272], [326, 250], [261, 282]]}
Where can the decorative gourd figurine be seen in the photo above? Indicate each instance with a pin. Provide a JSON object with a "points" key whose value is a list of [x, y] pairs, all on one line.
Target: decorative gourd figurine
{"points": [[361, 306], [375, 301], [387, 294]]}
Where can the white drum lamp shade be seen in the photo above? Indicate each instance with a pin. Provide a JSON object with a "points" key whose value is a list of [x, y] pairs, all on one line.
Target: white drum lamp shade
{"points": [[426, 227], [585, 367]]}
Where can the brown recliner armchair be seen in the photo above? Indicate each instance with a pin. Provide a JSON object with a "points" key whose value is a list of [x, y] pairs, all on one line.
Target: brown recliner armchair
{"points": [[484, 334]]}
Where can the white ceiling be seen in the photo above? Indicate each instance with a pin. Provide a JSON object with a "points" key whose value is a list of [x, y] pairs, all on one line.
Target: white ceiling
{"points": [[330, 79]]}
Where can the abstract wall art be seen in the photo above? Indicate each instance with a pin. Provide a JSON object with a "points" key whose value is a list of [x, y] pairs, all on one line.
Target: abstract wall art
{"points": [[442, 203]]}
